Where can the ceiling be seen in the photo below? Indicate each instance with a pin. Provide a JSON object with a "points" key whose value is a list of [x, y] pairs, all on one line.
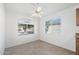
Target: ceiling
{"points": [[29, 8]]}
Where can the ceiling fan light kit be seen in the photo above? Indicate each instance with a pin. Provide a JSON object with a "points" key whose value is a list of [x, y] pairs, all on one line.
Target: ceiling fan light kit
{"points": [[38, 12]]}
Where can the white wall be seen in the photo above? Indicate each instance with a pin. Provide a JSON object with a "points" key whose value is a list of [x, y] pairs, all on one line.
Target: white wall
{"points": [[66, 38], [2, 29], [12, 38]]}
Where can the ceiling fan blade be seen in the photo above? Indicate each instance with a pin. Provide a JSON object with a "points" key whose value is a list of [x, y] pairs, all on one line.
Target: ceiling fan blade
{"points": [[35, 5], [37, 11]]}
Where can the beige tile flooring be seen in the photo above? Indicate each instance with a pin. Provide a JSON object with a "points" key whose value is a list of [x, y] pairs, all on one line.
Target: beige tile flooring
{"points": [[37, 48]]}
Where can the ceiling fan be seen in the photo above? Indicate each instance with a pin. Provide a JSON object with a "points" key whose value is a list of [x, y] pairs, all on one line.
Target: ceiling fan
{"points": [[38, 12]]}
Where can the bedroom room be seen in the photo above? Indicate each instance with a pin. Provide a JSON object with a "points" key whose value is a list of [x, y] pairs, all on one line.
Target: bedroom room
{"points": [[39, 29]]}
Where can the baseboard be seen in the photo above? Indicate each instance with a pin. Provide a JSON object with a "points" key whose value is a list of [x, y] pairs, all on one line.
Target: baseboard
{"points": [[58, 46], [20, 44]]}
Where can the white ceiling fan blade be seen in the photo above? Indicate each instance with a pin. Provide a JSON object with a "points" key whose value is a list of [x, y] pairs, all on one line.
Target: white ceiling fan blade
{"points": [[37, 11]]}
